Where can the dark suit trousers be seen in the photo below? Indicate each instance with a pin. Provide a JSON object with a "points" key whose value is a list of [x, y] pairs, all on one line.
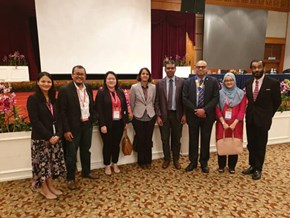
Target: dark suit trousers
{"points": [[172, 127], [83, 140], [111, 142], [232, 161], [203, 126], [257, 141], [144, 143]]}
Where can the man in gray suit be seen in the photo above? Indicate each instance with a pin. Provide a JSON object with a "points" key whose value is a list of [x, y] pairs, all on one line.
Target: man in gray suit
{"points": [[200, 97], [170, 113]]}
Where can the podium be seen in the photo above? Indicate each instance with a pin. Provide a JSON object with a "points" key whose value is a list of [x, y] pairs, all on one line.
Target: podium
{"points": [[14, 73]]}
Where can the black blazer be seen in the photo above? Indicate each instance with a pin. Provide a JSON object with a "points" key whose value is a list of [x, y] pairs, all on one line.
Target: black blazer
{"points": [[103, 107], [211, 97], [261, 111], [42, 120], [70, 108]]}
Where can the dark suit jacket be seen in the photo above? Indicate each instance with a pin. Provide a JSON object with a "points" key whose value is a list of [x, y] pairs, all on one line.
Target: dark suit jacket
{"points": [[70, 108], [261, 111], [211, 97], [42, 120], [103, 106], [161, 99]]}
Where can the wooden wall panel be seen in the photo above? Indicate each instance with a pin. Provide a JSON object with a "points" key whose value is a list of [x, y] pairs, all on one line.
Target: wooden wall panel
{"points": [[169, 5], [273, 5]]}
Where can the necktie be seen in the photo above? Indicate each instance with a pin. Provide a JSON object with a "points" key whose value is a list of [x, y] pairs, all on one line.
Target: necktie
{"points": [[256, 90], [170, 93], [200, 94]]}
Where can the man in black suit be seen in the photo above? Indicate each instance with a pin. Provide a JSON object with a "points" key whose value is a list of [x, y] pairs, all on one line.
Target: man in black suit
{"points": [[76, 108], [264, 98], [200, 97]]}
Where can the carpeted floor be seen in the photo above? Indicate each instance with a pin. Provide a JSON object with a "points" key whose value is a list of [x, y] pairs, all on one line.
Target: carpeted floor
{"points": [[163, 193]]}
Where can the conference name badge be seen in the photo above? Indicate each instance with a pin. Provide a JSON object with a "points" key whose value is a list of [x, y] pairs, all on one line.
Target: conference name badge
{"points": [[228, 114], [116, 114]]}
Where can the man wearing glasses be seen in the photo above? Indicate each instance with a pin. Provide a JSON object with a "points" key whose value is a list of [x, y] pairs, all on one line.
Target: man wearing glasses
{"points": [[76, 108], [200, 97]]}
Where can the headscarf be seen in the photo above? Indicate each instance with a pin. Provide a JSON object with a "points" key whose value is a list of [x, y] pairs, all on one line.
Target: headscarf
{"points": [[231, 96]]}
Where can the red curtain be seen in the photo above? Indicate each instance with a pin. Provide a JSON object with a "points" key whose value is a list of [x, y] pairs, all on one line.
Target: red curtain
{"points": [[168, 36], [19, 32]]}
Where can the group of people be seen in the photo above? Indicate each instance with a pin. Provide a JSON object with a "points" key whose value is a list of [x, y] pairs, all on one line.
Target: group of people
{"points": [[60, 127]]}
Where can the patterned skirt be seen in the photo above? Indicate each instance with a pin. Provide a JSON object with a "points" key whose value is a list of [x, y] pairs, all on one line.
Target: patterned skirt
{"points": [[47, 161]]}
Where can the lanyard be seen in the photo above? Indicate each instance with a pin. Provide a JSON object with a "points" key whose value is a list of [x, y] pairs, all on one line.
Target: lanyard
{"points": [[114, 100], [50, 108], [198, 85], [80, 97]]}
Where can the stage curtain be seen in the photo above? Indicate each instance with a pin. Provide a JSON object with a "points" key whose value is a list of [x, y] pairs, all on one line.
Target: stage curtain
{"points": [[19, 32], [168, 36]]}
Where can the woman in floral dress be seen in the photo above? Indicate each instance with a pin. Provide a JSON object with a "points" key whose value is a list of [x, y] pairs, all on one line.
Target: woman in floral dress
{"points": [[46, 146]]}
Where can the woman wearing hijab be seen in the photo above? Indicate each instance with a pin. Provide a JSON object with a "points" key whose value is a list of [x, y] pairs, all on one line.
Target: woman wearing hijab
{"points": [[230, 113]]}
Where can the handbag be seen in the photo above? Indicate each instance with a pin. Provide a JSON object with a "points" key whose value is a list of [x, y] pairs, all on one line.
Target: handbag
{"points": [[230, 145], [127, 146]]}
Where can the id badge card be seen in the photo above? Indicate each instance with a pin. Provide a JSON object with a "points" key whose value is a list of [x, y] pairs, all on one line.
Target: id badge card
{"points": [[116, 114], [53, 129], [228, 114]]}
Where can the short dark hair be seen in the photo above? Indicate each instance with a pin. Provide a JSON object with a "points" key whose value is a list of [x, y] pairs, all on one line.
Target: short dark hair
{"points": [[51, 92], [140, 71], [115, 75], [255, 61], [169, 61], [78, 66]]}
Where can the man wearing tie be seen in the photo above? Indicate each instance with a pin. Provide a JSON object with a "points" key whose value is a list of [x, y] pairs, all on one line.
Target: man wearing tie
{"points": [[200, 97], [170, 113], [264, 98]]}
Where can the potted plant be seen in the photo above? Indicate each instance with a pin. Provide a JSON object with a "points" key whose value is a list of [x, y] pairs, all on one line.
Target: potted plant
{"points": [[14, 67]]}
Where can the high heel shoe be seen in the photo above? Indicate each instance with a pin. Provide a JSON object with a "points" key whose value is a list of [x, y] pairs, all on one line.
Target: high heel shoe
{"points": [[50, 196], [108, 171], [116, 168]]}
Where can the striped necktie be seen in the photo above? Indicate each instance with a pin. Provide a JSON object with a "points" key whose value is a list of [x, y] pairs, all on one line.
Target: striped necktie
{"points": [[200, 94], [256, 90]]}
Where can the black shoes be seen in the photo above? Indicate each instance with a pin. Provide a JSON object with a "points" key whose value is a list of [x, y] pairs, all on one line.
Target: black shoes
{"points": [[90, 176], [190, 167], [248, 171], [205, 169], [256, 175]]}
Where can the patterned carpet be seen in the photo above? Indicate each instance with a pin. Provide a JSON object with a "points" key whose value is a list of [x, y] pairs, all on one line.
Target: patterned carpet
{"points": [[163, 193]]}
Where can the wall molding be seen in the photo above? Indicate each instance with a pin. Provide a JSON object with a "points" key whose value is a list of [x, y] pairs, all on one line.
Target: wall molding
{"points": [[271, 5]]}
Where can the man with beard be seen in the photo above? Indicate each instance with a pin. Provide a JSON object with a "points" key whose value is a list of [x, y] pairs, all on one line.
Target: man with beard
{"points": [[77, 114], [264, 98]]}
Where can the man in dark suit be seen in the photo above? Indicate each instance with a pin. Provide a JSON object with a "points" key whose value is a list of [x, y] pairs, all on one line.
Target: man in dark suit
{"points": [[76, 108], [200, 97], [170, 113], [264, 98]]}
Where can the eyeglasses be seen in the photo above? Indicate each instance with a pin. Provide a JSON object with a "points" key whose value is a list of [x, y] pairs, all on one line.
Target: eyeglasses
{"points": [[80, 74], [202, 67]]}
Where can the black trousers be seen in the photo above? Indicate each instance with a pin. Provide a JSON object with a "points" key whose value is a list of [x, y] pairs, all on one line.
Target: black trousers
{"points": [[172, 127], [257, 140], [232, 161], [83, 140], [111, 142], [203, 126], [144, 143]]}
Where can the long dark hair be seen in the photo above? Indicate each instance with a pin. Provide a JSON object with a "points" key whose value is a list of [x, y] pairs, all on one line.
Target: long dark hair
{"points": [[51, 92], [139, 74], [105, 78]]}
